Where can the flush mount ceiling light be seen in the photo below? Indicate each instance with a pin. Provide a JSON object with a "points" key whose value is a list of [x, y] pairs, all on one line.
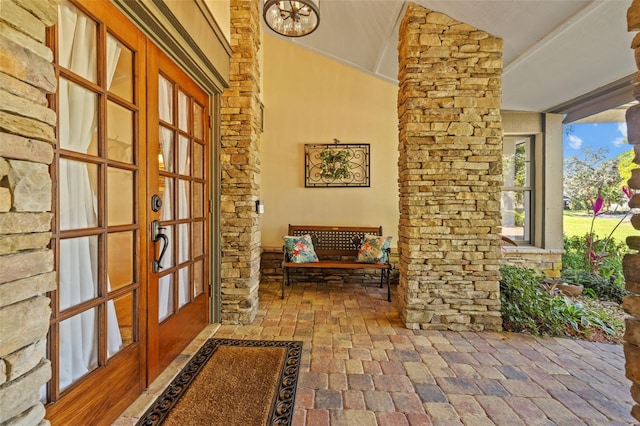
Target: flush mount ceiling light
{"points": [[292, 18]]}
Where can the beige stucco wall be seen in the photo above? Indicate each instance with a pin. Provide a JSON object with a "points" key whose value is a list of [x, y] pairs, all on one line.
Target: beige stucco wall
{"points": [[311, 99], [221, 10]]}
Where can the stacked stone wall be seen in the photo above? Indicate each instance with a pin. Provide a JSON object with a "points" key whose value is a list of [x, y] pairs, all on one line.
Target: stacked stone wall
{"points": [[240, 168], [631, 262], [450, 173], [271, 271], [546, 262], [26, 150]]}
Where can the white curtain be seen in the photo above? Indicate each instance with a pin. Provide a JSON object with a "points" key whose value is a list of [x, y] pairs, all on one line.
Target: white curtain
{"points": [[183, 209], [78, 270], [165, 283]]}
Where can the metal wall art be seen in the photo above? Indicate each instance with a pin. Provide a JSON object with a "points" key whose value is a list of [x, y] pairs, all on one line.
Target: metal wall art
{"points": [[336, 165]]}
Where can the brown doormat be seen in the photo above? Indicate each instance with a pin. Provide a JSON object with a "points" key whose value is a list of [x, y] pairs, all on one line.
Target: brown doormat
{"points": [[232, 382]]}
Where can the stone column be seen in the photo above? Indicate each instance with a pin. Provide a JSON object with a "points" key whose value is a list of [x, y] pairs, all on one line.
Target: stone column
{"points": [[450, 173], [26, 263], [240, 163], [631, 262]]}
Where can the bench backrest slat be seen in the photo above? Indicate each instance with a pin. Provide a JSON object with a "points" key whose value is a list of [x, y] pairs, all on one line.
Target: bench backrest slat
{"points": [[335, 240]]}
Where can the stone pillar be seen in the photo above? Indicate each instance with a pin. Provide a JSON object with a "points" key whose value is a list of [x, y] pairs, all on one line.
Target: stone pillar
{"points": [[240, 163], [26, 263], [631, 262], [450, 173]]}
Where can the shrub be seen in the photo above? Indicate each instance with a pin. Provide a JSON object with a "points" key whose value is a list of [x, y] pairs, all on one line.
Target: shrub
{"points": [[602, 288], [608, 280], [526, 306], [529, 306]]}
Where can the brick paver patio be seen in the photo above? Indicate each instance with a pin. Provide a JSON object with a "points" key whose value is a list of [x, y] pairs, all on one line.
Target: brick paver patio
{"points": [[361, 367]]}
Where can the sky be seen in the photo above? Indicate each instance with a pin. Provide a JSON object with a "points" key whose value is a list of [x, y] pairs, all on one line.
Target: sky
{"points": [[595, 135]]}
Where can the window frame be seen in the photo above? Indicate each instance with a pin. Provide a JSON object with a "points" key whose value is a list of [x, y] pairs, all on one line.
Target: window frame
{"points": [[533, 214]]}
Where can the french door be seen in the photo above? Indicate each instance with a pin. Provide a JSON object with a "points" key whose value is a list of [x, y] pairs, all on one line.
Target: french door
{"points": [[118, 99], [178, 149]]}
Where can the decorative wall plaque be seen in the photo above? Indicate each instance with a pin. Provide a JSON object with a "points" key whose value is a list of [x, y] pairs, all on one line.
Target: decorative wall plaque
{"points": [[336, 165]]}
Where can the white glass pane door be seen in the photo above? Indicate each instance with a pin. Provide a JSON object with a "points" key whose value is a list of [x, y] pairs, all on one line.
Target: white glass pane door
{"points": [[177, 182], [178, 278], [97, 218]]}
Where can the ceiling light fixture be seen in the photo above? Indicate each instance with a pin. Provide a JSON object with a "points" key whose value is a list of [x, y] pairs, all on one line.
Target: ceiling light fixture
{"points": [[292, 18]]}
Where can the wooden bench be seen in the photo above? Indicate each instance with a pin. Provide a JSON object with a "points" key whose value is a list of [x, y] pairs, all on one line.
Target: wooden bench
{"points": [[336, 247]]}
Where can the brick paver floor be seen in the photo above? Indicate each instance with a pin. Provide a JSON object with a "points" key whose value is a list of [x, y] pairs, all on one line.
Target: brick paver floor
{"points": [[361, 366]]}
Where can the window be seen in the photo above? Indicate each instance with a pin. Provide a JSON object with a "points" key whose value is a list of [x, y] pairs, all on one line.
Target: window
{"points": [[518, 190]]}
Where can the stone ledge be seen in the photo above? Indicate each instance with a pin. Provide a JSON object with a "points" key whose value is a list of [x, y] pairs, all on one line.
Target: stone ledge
{"points": [[20, 148], [23, 289], [532, 249], [23, 323], [25, 264], [24, 222]]}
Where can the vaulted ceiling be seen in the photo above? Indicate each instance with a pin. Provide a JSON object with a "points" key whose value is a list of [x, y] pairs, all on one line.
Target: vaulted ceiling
{"points": [[567, 56]]}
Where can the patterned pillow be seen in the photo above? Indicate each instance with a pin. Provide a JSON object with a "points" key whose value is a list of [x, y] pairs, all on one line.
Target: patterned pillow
{"points": [[300, 249], [373, 249]]}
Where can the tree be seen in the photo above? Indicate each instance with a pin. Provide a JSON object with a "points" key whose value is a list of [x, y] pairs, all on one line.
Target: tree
{"points": [[591, 173], [625, 165]]}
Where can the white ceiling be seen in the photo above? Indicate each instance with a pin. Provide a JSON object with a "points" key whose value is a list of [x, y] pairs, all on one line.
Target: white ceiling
{"points": [[556, 52]]}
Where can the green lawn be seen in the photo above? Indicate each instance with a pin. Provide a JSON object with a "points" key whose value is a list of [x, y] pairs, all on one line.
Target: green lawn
{"points": [[579, 223]]}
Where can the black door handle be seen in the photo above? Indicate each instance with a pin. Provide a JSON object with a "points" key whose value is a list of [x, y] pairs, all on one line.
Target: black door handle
{"points": [[157, 234]]}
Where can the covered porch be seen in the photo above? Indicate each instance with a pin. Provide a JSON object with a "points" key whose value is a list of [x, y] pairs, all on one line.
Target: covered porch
{"points": [[361, 365]]}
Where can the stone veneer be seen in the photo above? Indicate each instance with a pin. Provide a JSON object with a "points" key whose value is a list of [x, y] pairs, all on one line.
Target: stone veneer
{"points": [[631, 262], [450, 173], [26, 263], [547, 262], [240, 168]]}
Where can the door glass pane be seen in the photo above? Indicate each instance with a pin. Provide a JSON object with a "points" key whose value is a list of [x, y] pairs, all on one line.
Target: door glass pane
{"points": [[165, 99], [78, 271], [198, 278], [198, 239], [198, 161], [119, 133], [120, 60], [183, 197], [120, 193], [184, 243], [168, 260], [121, 255], [165, 297], [183, 288], [198, 201], [183, 256], [120, 323], [183, 111], [78, 347], [165, 153], [183, 157], [78, 119], [166, 195], [76, 193], [73, 25], [197, 122]]}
